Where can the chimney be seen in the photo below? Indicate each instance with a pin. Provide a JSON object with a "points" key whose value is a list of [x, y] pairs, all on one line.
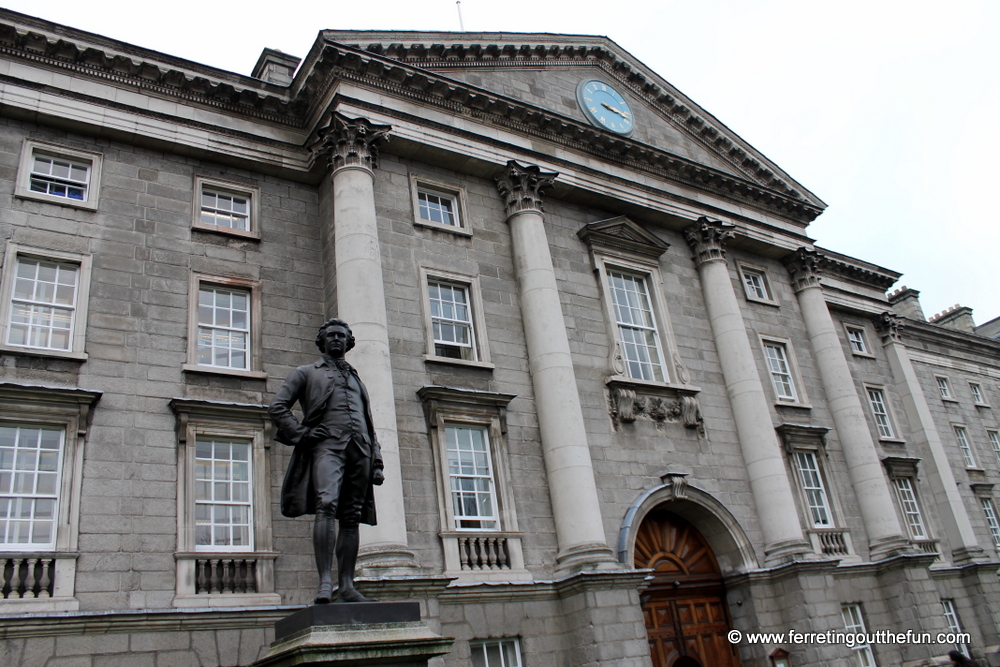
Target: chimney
{"points": [[957, 317], [275, 67], [906, 302]]}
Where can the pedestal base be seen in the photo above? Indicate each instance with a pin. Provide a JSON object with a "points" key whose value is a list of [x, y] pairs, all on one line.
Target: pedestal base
{"points": [[355, 634]]}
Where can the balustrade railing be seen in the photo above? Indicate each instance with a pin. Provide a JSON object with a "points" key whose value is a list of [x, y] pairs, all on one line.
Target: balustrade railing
{"points": [[831, 542], [483, 552], [27, 576], [225, 575]]}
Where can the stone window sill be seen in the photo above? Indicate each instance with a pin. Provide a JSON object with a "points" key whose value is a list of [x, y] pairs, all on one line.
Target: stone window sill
{"points": [[214, 370], [448, 361], [39, 352]]}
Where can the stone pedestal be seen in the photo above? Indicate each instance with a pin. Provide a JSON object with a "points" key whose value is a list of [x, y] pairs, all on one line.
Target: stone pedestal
{"points": [[389, 634]]}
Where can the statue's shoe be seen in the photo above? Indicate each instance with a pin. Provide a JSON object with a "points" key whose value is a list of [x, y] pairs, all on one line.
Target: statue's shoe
{"points": [[325, 594], [352, 595]]}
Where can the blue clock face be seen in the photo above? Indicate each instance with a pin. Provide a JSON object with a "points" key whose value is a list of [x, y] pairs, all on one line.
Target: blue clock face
{"points": [[605, 107]]}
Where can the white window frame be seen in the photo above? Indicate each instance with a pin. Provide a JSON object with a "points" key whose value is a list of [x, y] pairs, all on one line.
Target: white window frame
{"points": [[30, 148], [210, 503], [857, 340], [887, 431], [479, 353], [965, 445], [506, 645], [78, 338], [247, 423], [906, 493], [214, 185], [438, 188], [854, 623], [954, 624], [491, 521], [446, 407], [252, 288], [64, 410], [992, 522], [798, 397], [944, 388], [635, 365], [811, 487], [751, 293], [978, 394], [994, 437]]}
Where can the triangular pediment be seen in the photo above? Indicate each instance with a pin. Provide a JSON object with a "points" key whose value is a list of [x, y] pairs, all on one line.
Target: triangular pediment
{"points": [[543, 71], [623, 234]]}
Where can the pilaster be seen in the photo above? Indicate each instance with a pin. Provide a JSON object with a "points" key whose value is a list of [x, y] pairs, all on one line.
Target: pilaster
{"points": [[772, 491], [350, 145], [885, 534], [954, 517], [572, 488]]}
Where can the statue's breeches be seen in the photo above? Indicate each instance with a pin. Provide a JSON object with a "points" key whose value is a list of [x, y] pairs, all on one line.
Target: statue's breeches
{"points": [[341, 476]]}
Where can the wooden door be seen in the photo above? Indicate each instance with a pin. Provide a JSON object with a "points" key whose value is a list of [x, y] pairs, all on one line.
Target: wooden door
{"points": [[685, 605]]}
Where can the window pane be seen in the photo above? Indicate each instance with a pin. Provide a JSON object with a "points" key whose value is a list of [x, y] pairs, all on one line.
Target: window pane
{"points": [[223, 494], [30, 470]]}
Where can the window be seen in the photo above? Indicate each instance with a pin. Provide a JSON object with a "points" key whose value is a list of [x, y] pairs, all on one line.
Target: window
{"points": [[856, 338], [814, 490], [456, 330], [224, 553], [496, 653], [991, 520], [636, 326], [954, 625], [30, 468], [911, 510], [470, 470], [854, 623], [45, 299], [479, 533], [876, 398], [777, 357], [438, 204], [224, 327], [963, 444], [42, 432], [230, 208], [944, 387], [223, 507], [995, 443], [59, 175], [977, 394], [755, 284]]}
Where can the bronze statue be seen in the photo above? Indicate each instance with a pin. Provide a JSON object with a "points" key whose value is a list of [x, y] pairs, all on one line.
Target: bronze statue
{"points": [[337, 459]]}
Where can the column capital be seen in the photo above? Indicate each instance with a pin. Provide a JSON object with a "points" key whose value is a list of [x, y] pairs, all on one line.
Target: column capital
{"points": [[890, 326], [350, 142], [521, 186], [706, 238], [805, 268]]}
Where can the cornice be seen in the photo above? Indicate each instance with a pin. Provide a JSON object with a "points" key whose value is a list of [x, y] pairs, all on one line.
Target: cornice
{"points": [[988, 349], [114, 62], [856, 270]]}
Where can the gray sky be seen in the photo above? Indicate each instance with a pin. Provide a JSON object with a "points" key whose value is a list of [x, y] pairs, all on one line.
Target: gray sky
{"points": [[888, 110]]}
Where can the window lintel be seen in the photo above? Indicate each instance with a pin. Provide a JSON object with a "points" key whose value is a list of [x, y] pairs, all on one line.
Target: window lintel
{"points": [[190, 411], [622, 235], [442, 402], [901, 466], [801, 437]]}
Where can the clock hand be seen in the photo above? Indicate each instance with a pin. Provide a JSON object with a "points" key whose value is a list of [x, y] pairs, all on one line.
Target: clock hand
{"points": [[611, 108]]}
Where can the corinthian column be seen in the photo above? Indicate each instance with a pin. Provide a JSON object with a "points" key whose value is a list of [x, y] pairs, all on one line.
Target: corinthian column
{"points": [[351, 146], [954, 518], [885, 535], [579, 529], [772, 492]]}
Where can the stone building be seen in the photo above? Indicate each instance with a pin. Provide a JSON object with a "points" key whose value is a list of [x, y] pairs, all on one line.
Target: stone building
{"points": [[626, 404]]}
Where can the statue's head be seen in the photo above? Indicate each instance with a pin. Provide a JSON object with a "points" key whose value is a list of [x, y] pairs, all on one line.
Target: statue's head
{"points": [[333, 322]]}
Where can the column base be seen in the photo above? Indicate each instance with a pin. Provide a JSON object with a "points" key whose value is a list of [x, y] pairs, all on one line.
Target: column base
{"points": [[968, 556], [592, 556], [788, 551], [887, 547], [387, 560], [355, 634]]}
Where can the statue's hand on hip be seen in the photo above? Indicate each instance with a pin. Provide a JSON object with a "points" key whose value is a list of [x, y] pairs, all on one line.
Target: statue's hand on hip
{"points": [[317, 434]]}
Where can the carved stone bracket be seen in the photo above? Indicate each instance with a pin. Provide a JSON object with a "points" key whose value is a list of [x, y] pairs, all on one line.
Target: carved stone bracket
{"points": [[706, 238], [890, 327], [626, 406], [805, 268], [350, 142], [521, 187], [677, 483]]}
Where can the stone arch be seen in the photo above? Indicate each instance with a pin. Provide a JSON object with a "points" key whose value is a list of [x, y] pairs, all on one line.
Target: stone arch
{"points": [[716, 523]]}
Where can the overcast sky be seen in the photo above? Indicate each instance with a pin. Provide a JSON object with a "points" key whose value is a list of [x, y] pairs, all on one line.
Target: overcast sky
{"points": [[887, 110]]}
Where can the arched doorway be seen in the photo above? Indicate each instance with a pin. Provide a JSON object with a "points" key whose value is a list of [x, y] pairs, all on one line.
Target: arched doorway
{"points": [[685, 605]]}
